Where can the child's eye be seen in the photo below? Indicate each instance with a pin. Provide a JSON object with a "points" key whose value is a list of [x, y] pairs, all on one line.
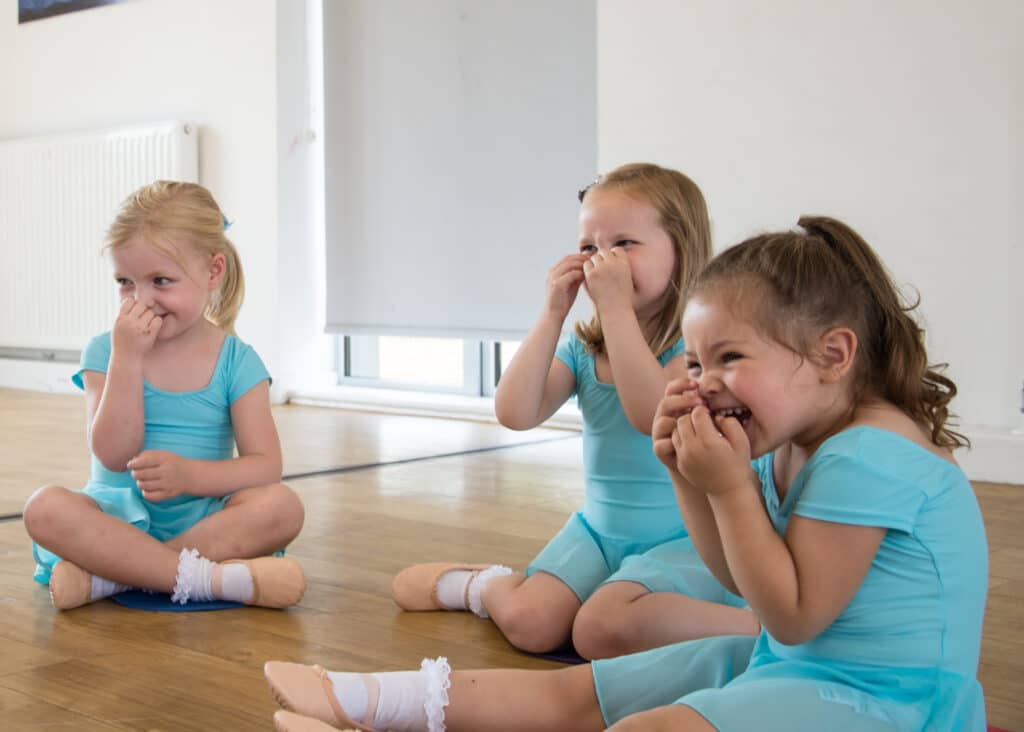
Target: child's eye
{"points": [[693, 368], [123, 281], [624, 242], [587, 249], [162, 280], [731, 356]]}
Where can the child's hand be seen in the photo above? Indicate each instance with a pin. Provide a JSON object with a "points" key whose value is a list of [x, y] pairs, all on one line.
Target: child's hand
{"points": [[609, 279], [160, 474], [564, 280], [713, 453], [135, 328], [680, 398]]}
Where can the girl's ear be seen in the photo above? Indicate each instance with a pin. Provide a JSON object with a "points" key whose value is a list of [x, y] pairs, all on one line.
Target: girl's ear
{"points": [[217, 269], [838, 347]]}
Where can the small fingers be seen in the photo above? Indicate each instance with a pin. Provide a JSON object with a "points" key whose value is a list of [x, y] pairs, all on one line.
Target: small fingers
{"points": [[145, 459], [570, 278], [663, 426], [664, 449], [732, 430], [145, 475], [704, 425], [152, 494], [680, 385]]}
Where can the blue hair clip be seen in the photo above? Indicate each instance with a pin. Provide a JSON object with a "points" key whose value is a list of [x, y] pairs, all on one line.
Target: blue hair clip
{"points": [[227, 224]]}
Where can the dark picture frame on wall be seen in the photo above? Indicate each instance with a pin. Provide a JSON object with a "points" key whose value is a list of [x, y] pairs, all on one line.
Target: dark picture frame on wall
{"points": [[29, 10]]}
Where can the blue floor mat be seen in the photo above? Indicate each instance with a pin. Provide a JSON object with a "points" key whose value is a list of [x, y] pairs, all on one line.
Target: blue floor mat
{"points": [[161, 602], [565, 654]]}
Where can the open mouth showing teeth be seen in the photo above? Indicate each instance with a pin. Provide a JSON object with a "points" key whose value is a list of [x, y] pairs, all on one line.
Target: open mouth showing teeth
{"points": [[740, 413]]}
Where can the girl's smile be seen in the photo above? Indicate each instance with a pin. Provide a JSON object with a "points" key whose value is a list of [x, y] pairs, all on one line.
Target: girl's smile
{"points": [[776, 395], [172, 291], [611, 219]]}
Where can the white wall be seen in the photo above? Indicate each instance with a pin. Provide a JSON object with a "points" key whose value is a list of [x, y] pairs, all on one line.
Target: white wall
{"points": [[937, 197], [213, 63], [902, 118], [306, 353]]}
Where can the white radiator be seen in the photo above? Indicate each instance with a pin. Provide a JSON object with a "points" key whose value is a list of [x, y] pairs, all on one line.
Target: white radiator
{"points": [[58, 195]]}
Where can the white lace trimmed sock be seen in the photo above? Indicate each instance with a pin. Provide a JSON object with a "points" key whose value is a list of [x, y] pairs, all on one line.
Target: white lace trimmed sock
{"points": [[452, 586], [351, 691], [407, 701], [476, 587], [105, 588], [438, 676], [194, 579], [235, 582]]}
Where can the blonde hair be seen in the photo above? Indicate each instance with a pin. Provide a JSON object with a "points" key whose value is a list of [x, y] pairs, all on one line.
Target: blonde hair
{"points": [[796, 285], [166, 214], [684, 217]]}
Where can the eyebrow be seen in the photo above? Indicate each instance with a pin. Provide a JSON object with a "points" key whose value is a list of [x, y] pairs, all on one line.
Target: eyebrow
{"points": [[618, 237], [151, 275], [714, 348]]}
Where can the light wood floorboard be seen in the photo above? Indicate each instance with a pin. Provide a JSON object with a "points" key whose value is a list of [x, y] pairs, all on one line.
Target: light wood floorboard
{"points": [[104, 667]]}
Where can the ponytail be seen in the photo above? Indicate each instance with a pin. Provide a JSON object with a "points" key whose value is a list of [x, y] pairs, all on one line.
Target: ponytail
{"points": [[799, 275], [171, 212], [227, 301]]}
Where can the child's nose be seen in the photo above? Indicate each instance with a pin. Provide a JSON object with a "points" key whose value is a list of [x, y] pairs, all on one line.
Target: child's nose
{"points": [[708, 384]]}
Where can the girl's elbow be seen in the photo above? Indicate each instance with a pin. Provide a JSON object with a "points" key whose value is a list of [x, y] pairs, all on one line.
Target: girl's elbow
{"points": [[511, 418], [276, 470], [112, 461], [787, 637], [793, 633], [641, 423]]}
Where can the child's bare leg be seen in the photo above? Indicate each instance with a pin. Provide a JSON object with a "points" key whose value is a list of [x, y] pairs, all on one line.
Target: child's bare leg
{"points": [[72, 526], [506, 699], [535, 613], [672, 718], [625, 617], [409, 701], [114, 552], [253, 523]]}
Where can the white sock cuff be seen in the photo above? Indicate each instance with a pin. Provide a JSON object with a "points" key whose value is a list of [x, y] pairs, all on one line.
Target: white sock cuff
{"points": [[194, 578], [476, 587], [438, 676], [100, 588]]}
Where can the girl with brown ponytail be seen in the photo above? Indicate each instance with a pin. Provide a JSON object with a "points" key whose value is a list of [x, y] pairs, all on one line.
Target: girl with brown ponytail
{"points": [[811, 458], [170, 392]]}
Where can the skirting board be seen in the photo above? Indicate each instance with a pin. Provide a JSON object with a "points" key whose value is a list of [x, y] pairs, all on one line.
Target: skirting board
{"points": [[997, 454]]}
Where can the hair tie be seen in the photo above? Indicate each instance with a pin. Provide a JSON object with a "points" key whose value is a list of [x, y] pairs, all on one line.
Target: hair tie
{"points": [[583, 191], [227, 223]]}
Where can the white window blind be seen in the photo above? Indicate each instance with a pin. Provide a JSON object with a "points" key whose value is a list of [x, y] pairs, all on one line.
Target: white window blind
{"points": [[456, 135]]}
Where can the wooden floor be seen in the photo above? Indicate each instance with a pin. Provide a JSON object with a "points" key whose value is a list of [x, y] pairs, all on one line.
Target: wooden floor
{"points": [[104, 667]]}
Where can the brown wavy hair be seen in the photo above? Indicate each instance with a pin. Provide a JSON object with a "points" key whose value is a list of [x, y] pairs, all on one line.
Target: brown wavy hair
{"points": [[171, 213], [684, 217], [795, 285]]}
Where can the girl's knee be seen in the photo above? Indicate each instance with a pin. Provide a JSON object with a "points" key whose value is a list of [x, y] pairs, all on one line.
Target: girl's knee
{"points": [[600, 632], [276, 509], [531, 626], [672, 718], [288, 510], [43, 509]]}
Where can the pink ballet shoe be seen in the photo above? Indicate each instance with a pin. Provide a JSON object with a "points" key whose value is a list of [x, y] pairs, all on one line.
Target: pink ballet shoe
{"points": [[292, 722], [415, 587], [70, 586], [307, 691], [277, 582]]}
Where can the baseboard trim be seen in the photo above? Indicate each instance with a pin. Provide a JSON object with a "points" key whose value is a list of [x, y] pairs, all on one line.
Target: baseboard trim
{"points": [[996, 454]]}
